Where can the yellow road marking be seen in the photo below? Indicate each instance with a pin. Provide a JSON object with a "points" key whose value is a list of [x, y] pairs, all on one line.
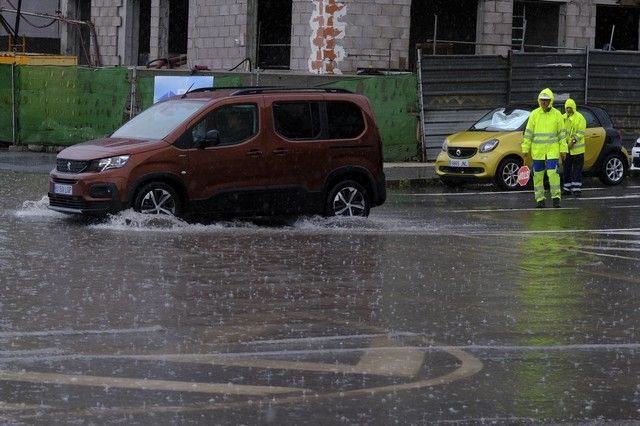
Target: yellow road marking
{"points": [[470, 366], [8, 406], [143, 384], [391, 360]]}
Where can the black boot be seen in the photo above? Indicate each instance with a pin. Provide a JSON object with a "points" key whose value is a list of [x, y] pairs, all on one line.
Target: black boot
{"points": [[540, 204], [556, 202]]}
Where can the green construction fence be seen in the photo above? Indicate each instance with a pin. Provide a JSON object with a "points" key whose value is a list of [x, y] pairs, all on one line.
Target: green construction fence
{"points": [[62, 105]]}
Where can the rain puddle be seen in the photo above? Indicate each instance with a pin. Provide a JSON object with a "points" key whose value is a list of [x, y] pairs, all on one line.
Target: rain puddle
{"points": [[129, 220]]}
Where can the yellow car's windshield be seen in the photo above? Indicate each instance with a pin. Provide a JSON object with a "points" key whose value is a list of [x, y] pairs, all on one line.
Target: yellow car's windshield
{"points": [[503, 120]]}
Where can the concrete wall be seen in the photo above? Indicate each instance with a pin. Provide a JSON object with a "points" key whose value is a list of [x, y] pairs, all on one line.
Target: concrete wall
{"points": [[494, 26], [327, 36], [340, 37], [217, 33]]}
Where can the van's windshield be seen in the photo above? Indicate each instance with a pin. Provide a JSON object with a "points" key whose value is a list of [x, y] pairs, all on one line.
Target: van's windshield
{"points": [[159, 120]]}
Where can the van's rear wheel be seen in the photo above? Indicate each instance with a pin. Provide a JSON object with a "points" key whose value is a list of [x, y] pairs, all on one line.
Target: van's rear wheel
{"points": [[157, 198], [348, 198]]}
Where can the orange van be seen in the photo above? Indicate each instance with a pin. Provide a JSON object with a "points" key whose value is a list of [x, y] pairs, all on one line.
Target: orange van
{"points": [[246, 151]]}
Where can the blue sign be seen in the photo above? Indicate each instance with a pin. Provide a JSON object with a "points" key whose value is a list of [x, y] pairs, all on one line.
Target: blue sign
{"points": [[167, 86]]}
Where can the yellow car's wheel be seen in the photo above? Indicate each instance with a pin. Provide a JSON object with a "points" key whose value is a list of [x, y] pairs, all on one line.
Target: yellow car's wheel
{"points": [[507, 173]]}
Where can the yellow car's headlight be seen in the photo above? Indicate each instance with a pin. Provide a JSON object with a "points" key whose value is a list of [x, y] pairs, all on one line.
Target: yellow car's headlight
{"points": [[445, 145], [489, 145]]}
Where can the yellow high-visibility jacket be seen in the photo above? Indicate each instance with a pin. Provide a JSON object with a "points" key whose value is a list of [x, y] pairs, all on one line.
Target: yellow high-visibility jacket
{"points": [[575, 125], [545, 135]]}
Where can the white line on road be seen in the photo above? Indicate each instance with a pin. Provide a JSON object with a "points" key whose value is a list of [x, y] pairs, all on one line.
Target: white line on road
{"points": [[326, 338], [459, 194], [615, 256], [75, 332], [511, 210]]}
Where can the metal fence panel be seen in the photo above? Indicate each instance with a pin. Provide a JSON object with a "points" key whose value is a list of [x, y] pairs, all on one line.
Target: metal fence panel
{"points": [[456, 90], [563, 73], [614, 84]]}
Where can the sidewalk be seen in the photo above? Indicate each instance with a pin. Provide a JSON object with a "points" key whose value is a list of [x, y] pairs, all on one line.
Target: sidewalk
{"points": [[399, 175]]}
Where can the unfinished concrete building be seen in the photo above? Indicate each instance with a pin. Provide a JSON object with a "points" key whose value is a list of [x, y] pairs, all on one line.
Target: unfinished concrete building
{"points": [[330, 36]]}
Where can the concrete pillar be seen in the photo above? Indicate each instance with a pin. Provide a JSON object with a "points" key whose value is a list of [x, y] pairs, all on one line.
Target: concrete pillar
{"points": [[159, 29], [494, 25]]}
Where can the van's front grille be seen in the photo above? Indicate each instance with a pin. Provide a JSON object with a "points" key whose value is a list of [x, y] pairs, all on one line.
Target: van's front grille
{"points": [[66, 181], [71, 166], [66, 201]]}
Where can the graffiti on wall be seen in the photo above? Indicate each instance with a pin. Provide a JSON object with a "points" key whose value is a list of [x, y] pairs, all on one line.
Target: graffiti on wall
{"points": [[326, 28]]}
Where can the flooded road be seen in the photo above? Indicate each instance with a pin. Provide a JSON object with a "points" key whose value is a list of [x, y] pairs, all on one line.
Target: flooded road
{"points": [[441, 307]]}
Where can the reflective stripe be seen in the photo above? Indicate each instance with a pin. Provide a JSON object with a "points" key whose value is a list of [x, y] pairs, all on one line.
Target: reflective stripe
{"points": [[546, 141], [552, 187], [578, 146], [545, 134], [580, 132], [528, 131]]}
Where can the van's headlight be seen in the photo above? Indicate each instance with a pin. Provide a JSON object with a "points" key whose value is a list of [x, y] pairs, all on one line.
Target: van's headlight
{"points": [[489, 145], [109, 163]]}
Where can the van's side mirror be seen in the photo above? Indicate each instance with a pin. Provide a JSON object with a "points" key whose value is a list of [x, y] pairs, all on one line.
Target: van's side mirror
{"points": [[213, 137]]}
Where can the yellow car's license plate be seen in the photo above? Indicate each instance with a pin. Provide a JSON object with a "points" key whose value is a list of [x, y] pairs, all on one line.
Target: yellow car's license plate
{"points": [[458, 163]]}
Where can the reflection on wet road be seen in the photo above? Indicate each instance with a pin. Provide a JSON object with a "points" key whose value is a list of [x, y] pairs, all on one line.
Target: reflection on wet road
{"points": [[442, 306]]}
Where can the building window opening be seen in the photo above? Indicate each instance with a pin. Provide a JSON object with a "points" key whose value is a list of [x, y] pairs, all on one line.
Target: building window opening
{"points": [[540, 21], [144, 32], [178, 27], [456, 22], [620, 21], [274, 34]]}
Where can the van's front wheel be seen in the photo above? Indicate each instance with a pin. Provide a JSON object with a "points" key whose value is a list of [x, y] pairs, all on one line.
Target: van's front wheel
{"points": [[157, 198], [348, 198]]}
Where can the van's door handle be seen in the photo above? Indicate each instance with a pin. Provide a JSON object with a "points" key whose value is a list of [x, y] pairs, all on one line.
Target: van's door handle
{"points": [[280, 151], [254, 153]]}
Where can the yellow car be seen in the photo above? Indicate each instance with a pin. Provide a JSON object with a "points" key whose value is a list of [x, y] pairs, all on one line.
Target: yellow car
{"points": [[490, 150]]}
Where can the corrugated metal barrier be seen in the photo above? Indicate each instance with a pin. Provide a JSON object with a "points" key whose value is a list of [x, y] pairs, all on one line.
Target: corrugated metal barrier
{"points": [[457, 90]]}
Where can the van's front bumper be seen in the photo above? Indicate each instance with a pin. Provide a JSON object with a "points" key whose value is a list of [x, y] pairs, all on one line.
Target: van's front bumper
{"points": [[84, 196]]}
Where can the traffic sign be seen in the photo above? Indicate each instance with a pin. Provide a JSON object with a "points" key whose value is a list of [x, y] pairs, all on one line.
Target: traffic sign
{"points": [[523, 175]]}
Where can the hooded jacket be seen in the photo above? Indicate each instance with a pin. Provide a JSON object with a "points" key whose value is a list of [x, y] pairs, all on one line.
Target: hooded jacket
{"points": [[545, 135], [575, 125]]}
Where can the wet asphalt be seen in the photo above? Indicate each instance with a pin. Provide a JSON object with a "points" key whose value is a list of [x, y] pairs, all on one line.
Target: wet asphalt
{"points": [[466, 306]]}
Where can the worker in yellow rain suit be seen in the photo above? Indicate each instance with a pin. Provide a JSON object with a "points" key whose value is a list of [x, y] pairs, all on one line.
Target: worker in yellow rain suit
{"points": [[545, 139], [575, 125]]}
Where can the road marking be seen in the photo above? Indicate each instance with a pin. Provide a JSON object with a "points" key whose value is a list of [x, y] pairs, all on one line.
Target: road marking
{"points": [[8, 406], [459, 194], [154, 328], [512, 210], [469, 365], [144, 384], [384, 358], [615, 256]]}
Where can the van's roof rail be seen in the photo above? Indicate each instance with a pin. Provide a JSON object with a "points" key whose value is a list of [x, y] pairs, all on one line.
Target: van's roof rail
{"points": [[258, 90], [213, 89]]}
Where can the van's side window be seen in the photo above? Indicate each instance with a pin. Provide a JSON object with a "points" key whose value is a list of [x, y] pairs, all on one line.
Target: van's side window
{"points": [[345, 120], [234, 123], [297, 120]]}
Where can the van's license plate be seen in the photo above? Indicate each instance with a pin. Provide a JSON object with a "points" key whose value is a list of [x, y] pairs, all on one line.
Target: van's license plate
{"points": [[59, 188], [458, 163]]}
